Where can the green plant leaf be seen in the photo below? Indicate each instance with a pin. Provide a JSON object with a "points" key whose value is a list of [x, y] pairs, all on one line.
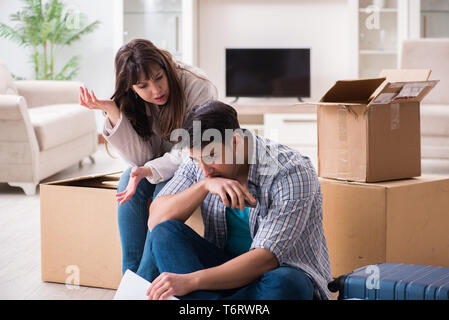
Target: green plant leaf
{"points": [[71, 66], [53, 10], [8, 32], [44, 27], [16, 77], [77, 35]]}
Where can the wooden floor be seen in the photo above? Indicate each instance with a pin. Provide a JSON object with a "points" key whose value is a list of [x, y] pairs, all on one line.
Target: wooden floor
{"points": [[20, 265]]}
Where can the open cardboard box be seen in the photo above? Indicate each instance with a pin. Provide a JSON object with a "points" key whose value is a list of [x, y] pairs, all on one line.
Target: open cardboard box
{"points": [[369, 129], [80, 242]]}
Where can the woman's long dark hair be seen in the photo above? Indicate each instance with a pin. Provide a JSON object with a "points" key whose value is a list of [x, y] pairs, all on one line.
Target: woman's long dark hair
{"points": [[133, 59]]}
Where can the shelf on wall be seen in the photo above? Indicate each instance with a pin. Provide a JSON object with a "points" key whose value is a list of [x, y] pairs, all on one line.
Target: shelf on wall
{"points": [[153, 12], [382, 52], [385, 10], [435, 11]]}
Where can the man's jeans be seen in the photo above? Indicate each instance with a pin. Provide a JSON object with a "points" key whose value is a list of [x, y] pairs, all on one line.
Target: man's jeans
{"points": [[133, 220], [174, 247]]}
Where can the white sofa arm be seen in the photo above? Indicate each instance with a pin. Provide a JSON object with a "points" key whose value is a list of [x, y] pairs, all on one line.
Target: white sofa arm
{"points": [[45, 92], [10, 107], [18, 144], [16, 125]]}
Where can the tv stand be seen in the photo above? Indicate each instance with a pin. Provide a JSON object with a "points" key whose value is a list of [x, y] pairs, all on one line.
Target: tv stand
{"points": [[237, 98]]}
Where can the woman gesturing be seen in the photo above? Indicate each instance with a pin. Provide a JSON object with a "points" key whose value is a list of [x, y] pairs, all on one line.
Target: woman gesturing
{"points": [[153, 93]]}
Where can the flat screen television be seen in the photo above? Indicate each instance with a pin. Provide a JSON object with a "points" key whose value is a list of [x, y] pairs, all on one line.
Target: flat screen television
{"points": [[268, 73]]}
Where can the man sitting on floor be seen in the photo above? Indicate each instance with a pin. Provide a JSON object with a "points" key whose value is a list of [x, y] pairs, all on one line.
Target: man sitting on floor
{"points": [[262, 211]]}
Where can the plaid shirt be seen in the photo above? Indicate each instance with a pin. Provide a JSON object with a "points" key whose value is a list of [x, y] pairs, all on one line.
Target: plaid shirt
{"points": [[287, 220]]}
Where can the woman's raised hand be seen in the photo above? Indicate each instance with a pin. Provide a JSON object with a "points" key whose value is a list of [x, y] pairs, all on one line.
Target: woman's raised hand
{"points": [[89, 100]]}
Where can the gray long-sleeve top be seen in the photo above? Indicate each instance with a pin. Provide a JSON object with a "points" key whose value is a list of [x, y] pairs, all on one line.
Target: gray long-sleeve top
{"points": [[137, 151]]}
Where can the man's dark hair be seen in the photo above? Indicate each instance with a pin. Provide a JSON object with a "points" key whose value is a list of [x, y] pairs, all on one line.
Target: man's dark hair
{"points": [[212, 115]]}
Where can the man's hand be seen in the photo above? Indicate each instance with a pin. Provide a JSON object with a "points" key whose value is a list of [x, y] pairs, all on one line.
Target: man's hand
{"points": [[171, 284], [137, 174], [231, 192]]}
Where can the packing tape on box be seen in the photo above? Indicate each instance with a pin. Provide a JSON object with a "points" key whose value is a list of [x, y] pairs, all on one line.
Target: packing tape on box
{"points": [[343, 165], [395, 116], [342, 111], [342, 125]]}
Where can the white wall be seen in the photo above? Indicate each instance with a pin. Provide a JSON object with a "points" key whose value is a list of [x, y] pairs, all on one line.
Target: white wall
{"points": [[97, 50], [17, 59], [322, 25]]}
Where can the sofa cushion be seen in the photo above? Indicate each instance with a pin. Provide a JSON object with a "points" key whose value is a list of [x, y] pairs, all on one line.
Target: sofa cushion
{"points": [[57, 124], [7, 85], [434, 120]]}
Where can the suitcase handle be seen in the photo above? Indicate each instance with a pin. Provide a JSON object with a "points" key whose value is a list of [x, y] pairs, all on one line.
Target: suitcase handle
{"points": [[337, 285]]}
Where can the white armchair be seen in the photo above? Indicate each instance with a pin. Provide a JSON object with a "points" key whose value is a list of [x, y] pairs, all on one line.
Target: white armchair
{"points": [[432, 54], [43, 129]]}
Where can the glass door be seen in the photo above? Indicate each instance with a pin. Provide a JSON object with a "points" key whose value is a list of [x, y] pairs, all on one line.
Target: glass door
{"points": [[159, 21], [378, 36], [434, 18]]}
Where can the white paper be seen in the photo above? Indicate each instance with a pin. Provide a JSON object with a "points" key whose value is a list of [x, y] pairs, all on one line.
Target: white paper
{"points": [[384, 98], [134, 287], [411, 90]]}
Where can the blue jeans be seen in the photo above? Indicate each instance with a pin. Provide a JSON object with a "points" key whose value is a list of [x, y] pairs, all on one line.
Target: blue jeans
{"points": [[133, 220], [174, 247]]}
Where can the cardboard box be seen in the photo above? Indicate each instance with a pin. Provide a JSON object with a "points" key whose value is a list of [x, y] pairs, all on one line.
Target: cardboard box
{"points": [[369, 129], [80, 242], [402, 221]]}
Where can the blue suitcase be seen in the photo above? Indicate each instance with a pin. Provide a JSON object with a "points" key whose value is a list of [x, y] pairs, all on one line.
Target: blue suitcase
{"points": [[393, 281]]}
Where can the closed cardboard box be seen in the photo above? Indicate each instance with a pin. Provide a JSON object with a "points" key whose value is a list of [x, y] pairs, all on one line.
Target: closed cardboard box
{"points": [[80, 242], [369, 129], [404, 221]]}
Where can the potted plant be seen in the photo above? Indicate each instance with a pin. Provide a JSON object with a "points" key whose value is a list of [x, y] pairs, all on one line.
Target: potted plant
{"points": [[46, 28]]}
